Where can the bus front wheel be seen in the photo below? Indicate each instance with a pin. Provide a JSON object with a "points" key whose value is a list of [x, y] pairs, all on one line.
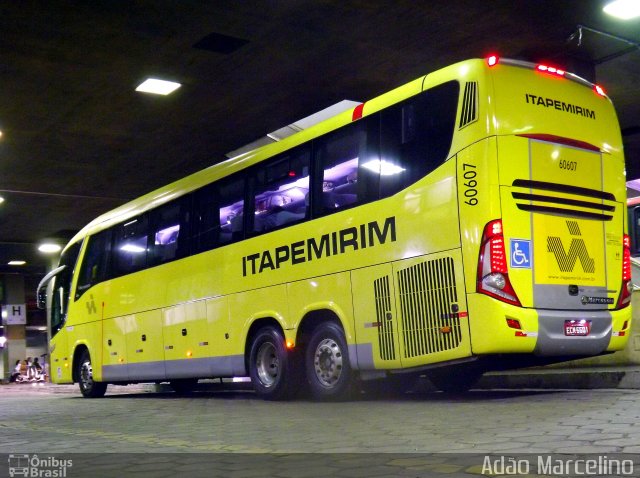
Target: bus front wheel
{"points": [[327, 363], [271, 366], [89, 387]]}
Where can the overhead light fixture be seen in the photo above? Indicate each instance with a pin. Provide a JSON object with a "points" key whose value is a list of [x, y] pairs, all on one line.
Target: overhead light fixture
{"points": [[17, 263], [49, 248], [623, 9], [383, 167], [158, 87], [132, 248]]}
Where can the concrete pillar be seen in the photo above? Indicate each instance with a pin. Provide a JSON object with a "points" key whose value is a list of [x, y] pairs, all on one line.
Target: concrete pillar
{"points": [[16, 346]]}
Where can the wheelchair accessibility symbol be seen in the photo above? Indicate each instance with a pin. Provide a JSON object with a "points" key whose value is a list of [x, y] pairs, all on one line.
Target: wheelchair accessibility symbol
{"points": [[521, 253]]}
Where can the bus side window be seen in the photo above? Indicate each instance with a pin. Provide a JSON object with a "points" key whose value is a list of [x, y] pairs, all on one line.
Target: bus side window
{"points": [[219, 214], [169, 237], [416, 136], [280, 191], [62, 288], [94, 268], [634, 231], [130, 246], [346, 161]]}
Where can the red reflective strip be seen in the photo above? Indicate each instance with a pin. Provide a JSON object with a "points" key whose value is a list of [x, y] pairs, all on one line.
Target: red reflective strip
{"points": [[357, 112], [551, 138]]}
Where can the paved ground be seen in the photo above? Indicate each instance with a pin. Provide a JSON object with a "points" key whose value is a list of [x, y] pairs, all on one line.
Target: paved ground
{"points": [[408, 435]]}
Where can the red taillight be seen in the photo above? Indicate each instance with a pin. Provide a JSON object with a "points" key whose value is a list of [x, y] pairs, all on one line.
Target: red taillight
{"points": [[626, 258], [493, 274], [625, 293], [600, 90], [550, 69], [492, 60], [514, 324]]}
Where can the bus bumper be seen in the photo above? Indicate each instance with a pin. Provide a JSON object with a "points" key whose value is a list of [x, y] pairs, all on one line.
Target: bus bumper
{"points": [[494, 329]]}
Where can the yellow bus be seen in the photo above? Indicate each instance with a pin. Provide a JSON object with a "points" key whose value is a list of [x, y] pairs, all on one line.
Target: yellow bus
{"points": [[469, 220]]}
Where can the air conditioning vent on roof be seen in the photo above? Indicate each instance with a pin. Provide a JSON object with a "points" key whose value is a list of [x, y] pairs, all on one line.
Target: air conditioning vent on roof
{"points": [[469, 104]]}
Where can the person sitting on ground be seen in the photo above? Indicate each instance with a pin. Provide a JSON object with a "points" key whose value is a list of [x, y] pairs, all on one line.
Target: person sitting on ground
{"points": [[37, 370], [16, 372], [30, 370]]}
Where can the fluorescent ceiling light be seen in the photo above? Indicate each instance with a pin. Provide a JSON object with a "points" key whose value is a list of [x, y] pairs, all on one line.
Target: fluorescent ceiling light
{"points": [[132, 248], [49, 248], [384, 168], [17, 263], [157, 87], [623, 9]]}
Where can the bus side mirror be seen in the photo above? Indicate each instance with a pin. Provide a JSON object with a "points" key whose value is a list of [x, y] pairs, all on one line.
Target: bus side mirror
{"points": [[41, 292]]}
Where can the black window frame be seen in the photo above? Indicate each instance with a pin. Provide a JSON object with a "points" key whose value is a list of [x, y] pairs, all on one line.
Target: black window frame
{"points": [[265, 175], [103, 262]]}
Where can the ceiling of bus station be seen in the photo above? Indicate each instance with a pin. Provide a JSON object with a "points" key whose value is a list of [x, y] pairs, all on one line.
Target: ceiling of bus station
{"points": [[77, 139]]}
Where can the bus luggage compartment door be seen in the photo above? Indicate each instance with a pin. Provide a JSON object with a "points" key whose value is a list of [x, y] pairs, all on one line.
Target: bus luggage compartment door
{"points": [[412, 312], [376, 324]]}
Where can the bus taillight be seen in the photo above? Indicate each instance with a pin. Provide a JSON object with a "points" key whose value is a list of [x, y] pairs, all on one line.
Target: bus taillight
{"points": [[493, 275], [625, 292]]}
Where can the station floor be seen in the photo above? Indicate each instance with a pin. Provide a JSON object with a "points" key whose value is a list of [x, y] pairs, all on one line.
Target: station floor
{"points": [[138, 431]]}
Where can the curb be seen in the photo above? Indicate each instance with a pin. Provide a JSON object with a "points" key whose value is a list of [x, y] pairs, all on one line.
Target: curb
{"points": [[591, 378]]}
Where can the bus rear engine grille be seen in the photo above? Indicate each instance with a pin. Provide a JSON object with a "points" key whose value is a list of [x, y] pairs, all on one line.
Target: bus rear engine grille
{"points": [[428, 297], [540, 197], [382, 294]]}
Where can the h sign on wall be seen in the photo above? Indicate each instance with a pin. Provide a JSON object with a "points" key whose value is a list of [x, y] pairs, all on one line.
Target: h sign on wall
{"points": [[14, 314]]}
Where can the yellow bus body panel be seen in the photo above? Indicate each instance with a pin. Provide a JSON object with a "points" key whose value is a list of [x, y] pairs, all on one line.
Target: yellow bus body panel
{"points": [[194, 315]]}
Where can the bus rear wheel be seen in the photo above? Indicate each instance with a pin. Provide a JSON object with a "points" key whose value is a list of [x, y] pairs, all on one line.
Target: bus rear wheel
{"points": [[88, 386], [327, 363], [271, 367]]}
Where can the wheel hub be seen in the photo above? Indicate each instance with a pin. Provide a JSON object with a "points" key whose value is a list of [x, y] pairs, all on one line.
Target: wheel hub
{"points": [[328, 362], [267, 364], [86, 375]]}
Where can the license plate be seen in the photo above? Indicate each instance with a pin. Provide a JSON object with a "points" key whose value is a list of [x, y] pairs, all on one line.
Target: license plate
{"points": [[580, 328]]}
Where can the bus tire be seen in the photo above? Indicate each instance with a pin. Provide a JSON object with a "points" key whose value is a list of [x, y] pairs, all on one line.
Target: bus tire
{"points": [[271, 367], [89, 387], [327, 363]]}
